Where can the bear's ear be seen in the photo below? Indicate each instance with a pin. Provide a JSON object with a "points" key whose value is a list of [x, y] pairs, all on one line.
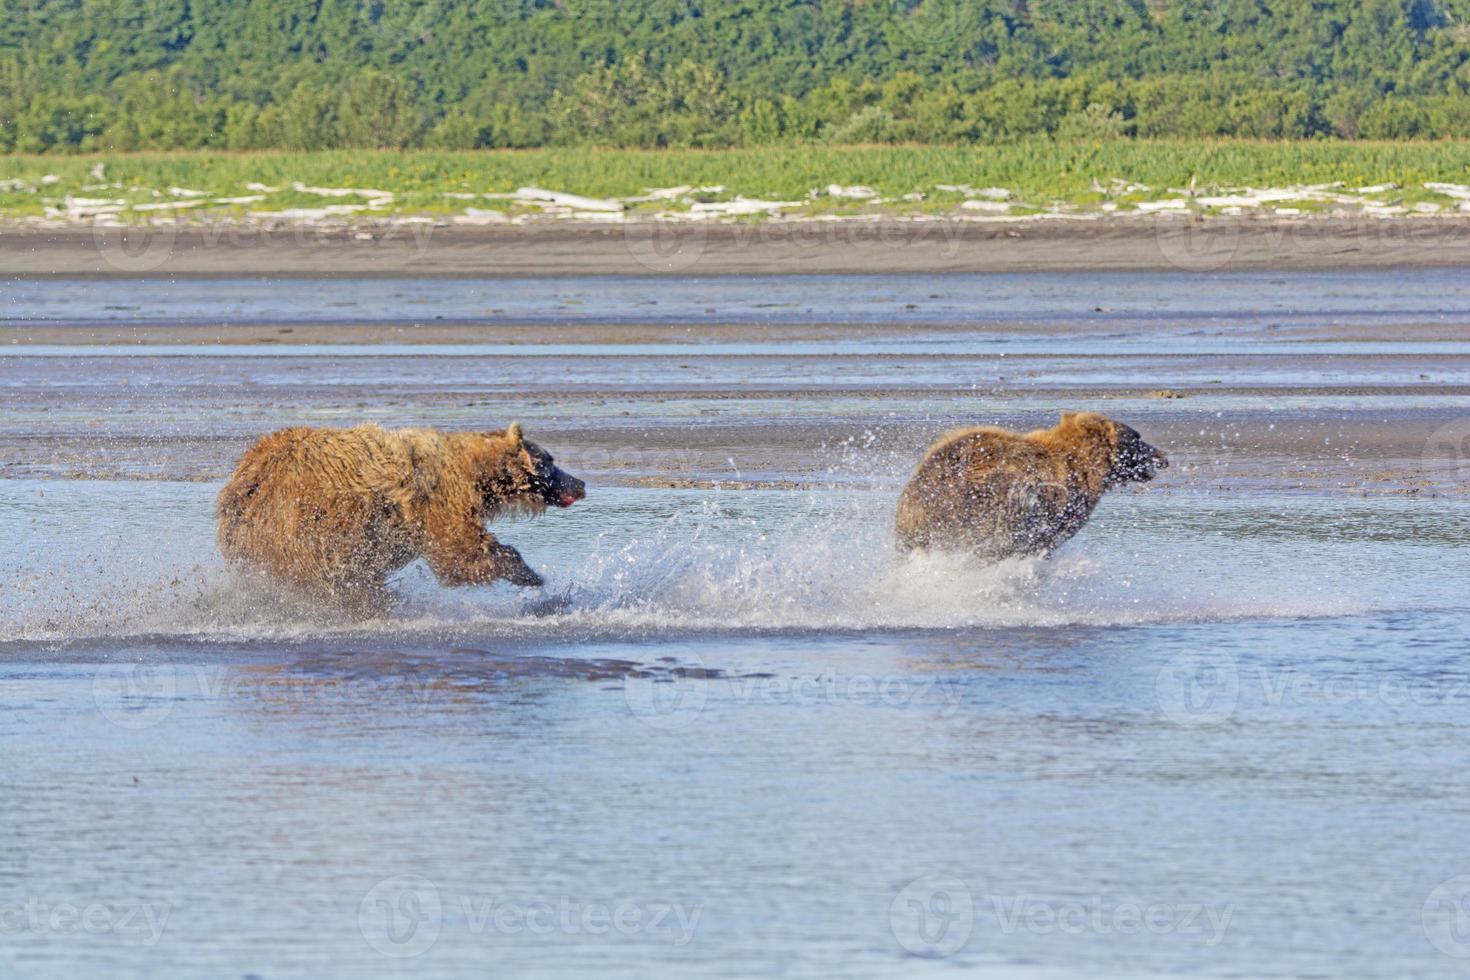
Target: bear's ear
{"points": [[1069, 416], [513, 432]]}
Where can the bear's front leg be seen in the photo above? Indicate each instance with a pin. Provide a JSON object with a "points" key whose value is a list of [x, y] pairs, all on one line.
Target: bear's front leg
{"points": [[510, 566], [477, 558]]}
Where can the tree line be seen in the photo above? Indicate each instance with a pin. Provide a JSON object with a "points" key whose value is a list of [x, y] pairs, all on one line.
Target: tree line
{"points": [[84, 75]]}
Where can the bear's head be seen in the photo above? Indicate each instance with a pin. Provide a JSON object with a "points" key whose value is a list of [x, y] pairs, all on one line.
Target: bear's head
{"points": [[1129, 458], [529, 479]]}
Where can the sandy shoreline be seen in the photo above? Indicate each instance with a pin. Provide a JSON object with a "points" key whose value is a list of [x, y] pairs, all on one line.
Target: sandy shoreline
{"points": [[432, 334], [768, 247]]}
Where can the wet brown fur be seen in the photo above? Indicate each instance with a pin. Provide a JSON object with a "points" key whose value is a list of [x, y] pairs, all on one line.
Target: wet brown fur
{"points": [[335, 511], [1001, 494]]}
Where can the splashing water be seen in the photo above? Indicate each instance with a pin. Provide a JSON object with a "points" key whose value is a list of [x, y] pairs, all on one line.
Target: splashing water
{"points": [[661, 564]]}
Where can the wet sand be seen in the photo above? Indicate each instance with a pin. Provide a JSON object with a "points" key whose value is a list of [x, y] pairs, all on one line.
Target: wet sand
{"points": [[426, 249], [433, 333], [1307, 382], [1299, 416], [1343, 383]]}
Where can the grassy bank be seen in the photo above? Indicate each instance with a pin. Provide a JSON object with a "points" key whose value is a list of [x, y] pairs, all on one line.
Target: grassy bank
{"points": [[1037, 177]]}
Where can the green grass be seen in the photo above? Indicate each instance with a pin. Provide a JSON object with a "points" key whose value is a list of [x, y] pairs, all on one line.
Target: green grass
{"points": [[1037, 173]]}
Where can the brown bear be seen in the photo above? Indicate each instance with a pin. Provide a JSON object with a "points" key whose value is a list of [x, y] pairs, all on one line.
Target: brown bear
{"points": [[1001, 494], [335, 511]]}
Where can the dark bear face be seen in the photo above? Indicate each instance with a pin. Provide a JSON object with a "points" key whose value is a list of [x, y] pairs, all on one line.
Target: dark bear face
{"points": [[552, 485], [520, 476], [1133, 460]]}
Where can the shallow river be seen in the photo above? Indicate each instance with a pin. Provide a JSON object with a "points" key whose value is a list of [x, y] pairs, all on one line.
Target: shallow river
{"points": [[1222, 733]]}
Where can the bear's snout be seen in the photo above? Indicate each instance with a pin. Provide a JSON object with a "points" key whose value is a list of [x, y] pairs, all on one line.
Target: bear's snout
{"points": [[1137, 462], [567, 489], [1153, 460]]}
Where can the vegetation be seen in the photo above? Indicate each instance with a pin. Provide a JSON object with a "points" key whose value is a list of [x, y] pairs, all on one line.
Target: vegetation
{"points": [[90, 75], [1036, 174]]}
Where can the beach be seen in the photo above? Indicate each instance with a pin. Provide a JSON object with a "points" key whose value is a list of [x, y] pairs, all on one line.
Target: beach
{"points": [[872, 245]]}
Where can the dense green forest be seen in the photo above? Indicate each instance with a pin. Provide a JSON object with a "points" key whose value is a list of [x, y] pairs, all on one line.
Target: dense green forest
{"points": [[91, 75]]}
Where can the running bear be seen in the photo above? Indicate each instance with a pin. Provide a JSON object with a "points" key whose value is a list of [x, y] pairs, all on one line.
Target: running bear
{"points": [[335, 511], [1001, 494]]}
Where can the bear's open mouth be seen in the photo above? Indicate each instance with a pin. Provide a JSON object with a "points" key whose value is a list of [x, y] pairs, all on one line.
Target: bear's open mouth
{"points": [[566, 489]]}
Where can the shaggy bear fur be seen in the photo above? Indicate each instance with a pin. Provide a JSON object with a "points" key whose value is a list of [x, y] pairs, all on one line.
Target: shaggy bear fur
{"points": [[1001, 494], [335, 511]]}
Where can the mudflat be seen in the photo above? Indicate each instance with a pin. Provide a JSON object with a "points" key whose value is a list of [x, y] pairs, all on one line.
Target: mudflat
{"points": [[423, 248], [1340, 382]]}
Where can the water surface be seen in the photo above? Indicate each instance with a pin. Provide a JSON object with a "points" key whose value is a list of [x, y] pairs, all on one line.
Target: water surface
{"points": [[1222, 733]]}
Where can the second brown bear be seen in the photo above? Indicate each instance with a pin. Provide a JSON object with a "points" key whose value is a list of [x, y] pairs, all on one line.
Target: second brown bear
{"points": [[1002, 494]]}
